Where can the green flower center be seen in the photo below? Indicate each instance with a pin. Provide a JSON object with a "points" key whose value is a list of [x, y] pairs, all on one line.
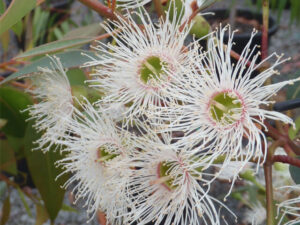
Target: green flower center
{"points": [[226, 108], [164, 171], [152, 68], [104, 155]]}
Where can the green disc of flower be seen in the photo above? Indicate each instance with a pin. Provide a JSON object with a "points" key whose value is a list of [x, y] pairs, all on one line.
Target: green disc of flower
{"points": [[152, 68], [225, 108]]}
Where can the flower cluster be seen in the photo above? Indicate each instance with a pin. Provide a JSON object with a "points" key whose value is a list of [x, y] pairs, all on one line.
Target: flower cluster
{"points": [[184, 114]]}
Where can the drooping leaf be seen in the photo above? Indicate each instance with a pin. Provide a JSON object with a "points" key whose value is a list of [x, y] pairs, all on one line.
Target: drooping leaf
{"points": [[12, 102], [7, 158], [69, 59], [295, 173], [21, 194], [55, 46], [14, 13], [43, 172], [5, 211], [41, 214]]}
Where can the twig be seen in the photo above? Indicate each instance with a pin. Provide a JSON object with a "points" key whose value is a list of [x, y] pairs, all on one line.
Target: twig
{"points": [[99, 8], [286, 159], [16, 84]]}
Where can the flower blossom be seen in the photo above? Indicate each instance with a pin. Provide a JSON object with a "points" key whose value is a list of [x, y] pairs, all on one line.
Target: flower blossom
{"points": [[133, 71], [96, 155], [222, 104], [170, 186], [52, 114]]}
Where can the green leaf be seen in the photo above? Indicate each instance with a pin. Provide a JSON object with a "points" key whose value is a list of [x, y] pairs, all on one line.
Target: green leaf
{"points": [[41, 215], [76, 77], [54, 47], [21, 194], [7, 158], [293, 132], [18, 29], [43, 172], [2, 7], [68, 208], [5, 211], [15, 12], [293, 91], [12, 101], [85, 32], [4, 40], [295, 173], [69, 59]]}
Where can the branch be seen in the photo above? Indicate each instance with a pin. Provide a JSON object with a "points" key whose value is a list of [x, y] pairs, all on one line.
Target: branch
{"points": [[286, 159], [99, 8]]}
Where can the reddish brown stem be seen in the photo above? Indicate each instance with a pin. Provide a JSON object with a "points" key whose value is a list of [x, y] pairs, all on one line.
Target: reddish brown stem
{"points": [[286, 159], [99, 8], [284, 138]]}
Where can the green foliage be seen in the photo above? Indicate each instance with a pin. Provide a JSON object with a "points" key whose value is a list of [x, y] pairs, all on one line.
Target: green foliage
{"points": [[293, 133], [55, 46], [277, 6], [14, 13], [41, 214], [7, 158], [43, 171], [69, 59], [12, 102]]}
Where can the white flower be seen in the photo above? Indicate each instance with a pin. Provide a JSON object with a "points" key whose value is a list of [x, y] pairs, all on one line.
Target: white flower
{"points": [[133, 70], [96, 154], [170, 186], [290, 207], [52, 88], [221, 103]]}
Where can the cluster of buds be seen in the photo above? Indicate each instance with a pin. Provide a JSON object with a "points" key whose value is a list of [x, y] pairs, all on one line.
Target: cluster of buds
{"points": [[124, 152]]}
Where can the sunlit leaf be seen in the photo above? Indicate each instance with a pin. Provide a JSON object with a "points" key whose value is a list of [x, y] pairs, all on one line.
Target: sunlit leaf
{"points": [[14, 13]]}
